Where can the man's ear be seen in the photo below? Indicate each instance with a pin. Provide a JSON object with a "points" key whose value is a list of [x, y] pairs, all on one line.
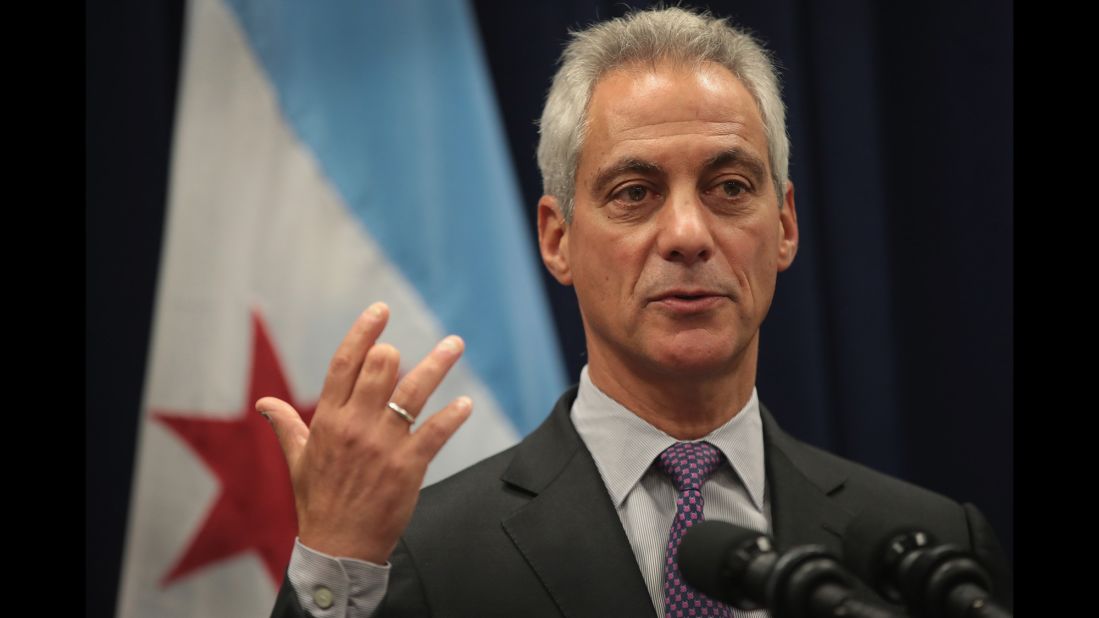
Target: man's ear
{"points": [[553, 239], [788, 229]]}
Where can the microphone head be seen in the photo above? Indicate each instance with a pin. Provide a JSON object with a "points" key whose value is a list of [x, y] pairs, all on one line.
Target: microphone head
{"points": [[714, 555], [874, 544]]}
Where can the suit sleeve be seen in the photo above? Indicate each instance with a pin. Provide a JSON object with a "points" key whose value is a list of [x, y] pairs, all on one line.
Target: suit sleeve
{"points": [[991, 555]]}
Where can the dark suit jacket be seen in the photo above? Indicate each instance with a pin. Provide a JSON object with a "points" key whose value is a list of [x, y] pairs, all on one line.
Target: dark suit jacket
{"points": [[532, 530]]}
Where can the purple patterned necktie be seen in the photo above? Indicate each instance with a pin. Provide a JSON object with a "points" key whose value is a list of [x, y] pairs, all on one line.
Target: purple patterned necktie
{"points": [[688, 464]]}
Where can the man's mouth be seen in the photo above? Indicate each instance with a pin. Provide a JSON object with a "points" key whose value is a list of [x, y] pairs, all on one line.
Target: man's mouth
{"points": [[688, 301], [686, 294]]}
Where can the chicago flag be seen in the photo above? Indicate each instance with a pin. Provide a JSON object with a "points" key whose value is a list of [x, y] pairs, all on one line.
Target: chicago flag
{"points": [[326, 155]]}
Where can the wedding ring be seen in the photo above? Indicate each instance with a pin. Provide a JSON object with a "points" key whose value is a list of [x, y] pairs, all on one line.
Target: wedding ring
{"points": [[401, 412]]}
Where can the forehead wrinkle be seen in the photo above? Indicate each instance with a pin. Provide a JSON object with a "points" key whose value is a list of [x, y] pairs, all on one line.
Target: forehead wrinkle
{"points": [[675, 127]]}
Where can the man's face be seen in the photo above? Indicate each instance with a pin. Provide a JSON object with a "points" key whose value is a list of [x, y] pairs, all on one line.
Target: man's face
{"points": [[677, 236]]}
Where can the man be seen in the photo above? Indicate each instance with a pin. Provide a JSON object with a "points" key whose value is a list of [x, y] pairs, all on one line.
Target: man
{"points": [[667, 206]]}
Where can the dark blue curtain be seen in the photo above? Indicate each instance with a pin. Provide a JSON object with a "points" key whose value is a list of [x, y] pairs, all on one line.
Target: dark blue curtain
{"points": [[889, 341]]}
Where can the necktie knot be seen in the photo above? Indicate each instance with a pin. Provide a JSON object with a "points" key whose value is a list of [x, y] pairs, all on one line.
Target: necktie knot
{"points": [[689, 464]]}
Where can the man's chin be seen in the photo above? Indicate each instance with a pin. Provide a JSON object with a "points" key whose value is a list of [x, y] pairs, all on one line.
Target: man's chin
{"points": [[693, 360]]}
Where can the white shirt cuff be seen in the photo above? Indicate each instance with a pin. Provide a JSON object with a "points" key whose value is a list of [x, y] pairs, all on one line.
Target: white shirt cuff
{"points": [[331, 587]]}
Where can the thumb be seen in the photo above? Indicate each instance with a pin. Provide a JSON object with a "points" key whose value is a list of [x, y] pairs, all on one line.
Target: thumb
{"points": [[291, 431]]}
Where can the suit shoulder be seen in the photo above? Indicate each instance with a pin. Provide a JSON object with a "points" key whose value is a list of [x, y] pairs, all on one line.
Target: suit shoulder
{"points": [[857, 488], [479, 477], [858, 484], [470, 498]]}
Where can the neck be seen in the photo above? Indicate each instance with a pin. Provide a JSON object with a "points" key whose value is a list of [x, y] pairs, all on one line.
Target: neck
{"points": [[686, 407]]}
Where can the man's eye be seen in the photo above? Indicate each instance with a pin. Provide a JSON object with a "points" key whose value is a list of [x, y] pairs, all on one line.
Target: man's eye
{"points": [[732, 189], [636, 193]]}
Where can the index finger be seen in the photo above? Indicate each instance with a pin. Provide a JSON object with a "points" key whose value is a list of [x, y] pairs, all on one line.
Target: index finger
{"points": [[348, 359]]}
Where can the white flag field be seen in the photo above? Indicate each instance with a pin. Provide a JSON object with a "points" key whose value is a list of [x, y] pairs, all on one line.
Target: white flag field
{"points": [[325, 156]]}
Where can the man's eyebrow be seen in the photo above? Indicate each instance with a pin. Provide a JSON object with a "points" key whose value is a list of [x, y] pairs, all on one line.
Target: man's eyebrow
{"points": [[628, 164], [738, 156]]}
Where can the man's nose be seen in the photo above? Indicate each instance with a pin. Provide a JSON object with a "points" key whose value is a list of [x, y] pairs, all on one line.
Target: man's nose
{"points": [[684, 234]]}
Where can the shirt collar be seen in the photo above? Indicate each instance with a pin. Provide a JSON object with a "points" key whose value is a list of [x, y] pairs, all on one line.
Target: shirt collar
{"points": [[624, 445]]}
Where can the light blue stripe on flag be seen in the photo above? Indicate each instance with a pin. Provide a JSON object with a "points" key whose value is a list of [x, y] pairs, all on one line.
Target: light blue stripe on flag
{"points": [[394, 100]]}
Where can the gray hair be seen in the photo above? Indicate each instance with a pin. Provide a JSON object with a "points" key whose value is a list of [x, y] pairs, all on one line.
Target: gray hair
{"points": [[648, 36]]}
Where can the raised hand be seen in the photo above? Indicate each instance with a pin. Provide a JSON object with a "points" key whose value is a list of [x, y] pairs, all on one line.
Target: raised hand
{"points": [[358, 468]]}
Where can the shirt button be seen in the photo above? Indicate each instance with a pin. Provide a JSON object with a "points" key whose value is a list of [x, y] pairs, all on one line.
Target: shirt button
{"points": [[322, 597]]}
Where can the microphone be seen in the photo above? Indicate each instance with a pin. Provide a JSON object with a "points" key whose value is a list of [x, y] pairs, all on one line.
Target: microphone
{"points": [[741, 567], [905, 564]]}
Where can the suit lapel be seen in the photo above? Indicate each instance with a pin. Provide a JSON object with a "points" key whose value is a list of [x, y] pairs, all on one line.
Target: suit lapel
{"points": [[800, 483], [572, 537], [569, 532]]}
